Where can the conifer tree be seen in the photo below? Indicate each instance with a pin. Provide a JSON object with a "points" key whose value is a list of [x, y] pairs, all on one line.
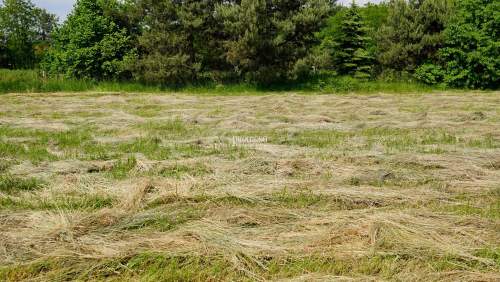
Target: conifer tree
{"points": [[413, 33], [181, 41], [268, 38], [348, 48]]}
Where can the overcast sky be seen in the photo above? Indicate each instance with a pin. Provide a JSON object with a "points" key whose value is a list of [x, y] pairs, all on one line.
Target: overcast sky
{"points": [[62, 7], [59, 7]]}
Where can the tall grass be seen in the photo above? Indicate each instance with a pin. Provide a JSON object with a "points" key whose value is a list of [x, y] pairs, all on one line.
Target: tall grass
{"points": [[10, 184], [31, 81]]}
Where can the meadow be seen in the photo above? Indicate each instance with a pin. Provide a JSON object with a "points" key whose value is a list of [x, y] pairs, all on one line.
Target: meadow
{"points": [[290, 185], [34, 81]]}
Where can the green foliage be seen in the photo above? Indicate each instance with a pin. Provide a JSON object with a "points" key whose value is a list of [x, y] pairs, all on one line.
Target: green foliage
{"points": [[367, 21], [24, 33], [471, 57], [374, 16], [181, 42], [413, 33], [30, 81], [91, 44], [268, 44], [347, 45], [471, 54], [268, 40], [16, 20], [429, 74]]}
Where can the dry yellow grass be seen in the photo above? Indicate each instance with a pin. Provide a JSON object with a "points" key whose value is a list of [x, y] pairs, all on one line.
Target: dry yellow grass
{"points": [[126, 187]]}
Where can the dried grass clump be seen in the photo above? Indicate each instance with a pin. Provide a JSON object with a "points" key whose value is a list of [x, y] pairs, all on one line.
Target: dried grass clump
{"points": [[154, 190]]}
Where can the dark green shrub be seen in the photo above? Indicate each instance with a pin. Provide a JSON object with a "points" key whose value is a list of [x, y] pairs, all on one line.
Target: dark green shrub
{"points": [[471, 57], [430, 74]]}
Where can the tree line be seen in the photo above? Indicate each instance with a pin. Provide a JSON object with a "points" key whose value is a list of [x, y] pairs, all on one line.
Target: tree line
{"points": [[455, 43], [24, 34]]}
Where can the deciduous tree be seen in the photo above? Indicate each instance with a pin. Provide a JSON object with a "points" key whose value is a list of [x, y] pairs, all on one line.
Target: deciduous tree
{"points": [[471, 57], [91, 43], [23, 28]]}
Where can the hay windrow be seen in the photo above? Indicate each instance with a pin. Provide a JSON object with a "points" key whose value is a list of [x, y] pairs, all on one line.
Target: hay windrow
{"points": [[315, 188]]}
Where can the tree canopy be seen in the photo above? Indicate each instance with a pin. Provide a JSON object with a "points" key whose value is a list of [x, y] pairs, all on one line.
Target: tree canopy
{"points": [[181, 41], [347, 44], [471, 57], [267, 39], [448, 42], [413, 32], [91, 43], [24, 33]]}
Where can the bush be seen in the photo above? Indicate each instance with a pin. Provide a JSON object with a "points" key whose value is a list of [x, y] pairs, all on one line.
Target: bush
{"points": [[430, 74], [471, 57], [90, 44]]}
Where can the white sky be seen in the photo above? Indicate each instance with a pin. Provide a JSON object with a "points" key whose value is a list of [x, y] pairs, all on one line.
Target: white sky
{"points": [[59, 7], [62, 7]]}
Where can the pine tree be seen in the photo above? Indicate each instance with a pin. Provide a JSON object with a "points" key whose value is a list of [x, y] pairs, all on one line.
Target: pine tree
{"points": [[413, 33], [182, 42], [349, 48], [269, 38]]}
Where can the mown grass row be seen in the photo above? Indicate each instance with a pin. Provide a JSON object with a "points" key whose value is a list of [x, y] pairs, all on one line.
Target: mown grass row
{"points": [[393, 140], [20, 193], [152, 266], [80, 143]]}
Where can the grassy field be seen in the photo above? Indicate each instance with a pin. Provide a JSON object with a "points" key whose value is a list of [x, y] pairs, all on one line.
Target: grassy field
{"points": [[32, 81], [176, 187]]}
